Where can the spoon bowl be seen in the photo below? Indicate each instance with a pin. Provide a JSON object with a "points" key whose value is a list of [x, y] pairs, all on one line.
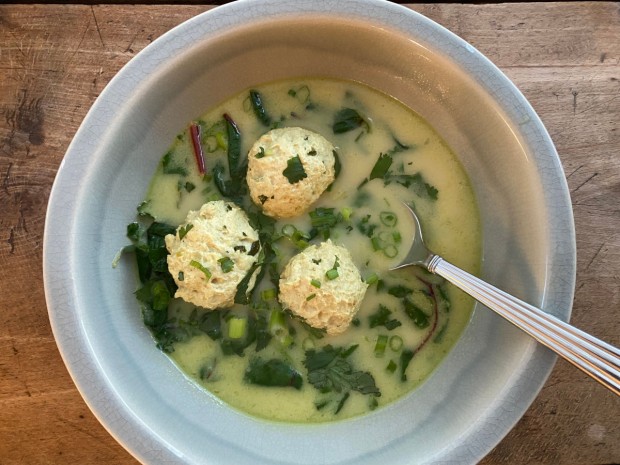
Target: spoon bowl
{"points": [[594, 357]]}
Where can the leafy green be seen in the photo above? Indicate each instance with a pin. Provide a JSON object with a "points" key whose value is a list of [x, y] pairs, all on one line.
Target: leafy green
{"points": [[347, 120], [417, 315], [329, 371], [405, 358], [415, 182], [272, 373], [294, 170], [399, 291], [226, 264], [382, 318], [170, 165]]}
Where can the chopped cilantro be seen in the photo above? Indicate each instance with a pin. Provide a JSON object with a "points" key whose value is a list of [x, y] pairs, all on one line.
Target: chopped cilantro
{"points": [[183, 230], [294, 170], [382, 318], [329, 371], [226, 264]]}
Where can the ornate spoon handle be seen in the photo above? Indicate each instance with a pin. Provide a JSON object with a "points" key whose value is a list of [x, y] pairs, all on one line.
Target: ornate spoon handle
{"points": [[591, 355]]}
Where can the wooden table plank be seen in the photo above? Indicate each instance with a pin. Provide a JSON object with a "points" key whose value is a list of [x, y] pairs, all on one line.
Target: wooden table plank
{"points": [[56, 59]]}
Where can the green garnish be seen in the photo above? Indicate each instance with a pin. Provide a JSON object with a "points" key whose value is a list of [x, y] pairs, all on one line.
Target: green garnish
{"points": [[183, 230], [272, 373], [226, 264], [396, 343], [237, 327], [347, 120], [268, 294], [261, 152], [382, 318], [380, 345], [388, 218], [323, 220], [316, 283], [405, 357], [329, 371], [417, 315], [332, 274], [259, 108], [294, 170], [199, 266], [310, 297]]}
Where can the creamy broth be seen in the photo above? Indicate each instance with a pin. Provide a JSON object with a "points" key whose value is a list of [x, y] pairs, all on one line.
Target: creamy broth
{"points": [[442, 197]]}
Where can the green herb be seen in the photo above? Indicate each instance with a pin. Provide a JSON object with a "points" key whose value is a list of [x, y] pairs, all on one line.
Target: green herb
{"points": [[294, 170], [347, 120], [310, 297], [405, 358], [234, 187], [415, 182], [181, 276], [371, 279], [380, 345], [183, 230], [189, 186], [202, 268], [391, 367], [316, 283], [261, 152], [226, 264], [268, 294], [333, 272], [382, 318], [237, 327], [170, 165], [400, 291], [259, 108], [323, 220], [329, 371], [272, 373], [417, 315]]}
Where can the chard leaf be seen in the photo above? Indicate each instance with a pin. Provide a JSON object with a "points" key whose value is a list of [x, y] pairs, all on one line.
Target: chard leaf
{"points": [[272, 373], [417, 315]]}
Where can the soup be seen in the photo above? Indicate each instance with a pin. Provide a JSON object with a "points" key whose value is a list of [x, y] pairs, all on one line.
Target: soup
{"points": [[408, 319]]}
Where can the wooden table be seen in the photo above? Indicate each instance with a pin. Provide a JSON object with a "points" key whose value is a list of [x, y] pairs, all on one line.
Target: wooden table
{"points": [[56, 59]]}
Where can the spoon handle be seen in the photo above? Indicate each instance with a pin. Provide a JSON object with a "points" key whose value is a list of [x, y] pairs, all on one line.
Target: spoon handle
{"points": [[591, 355]]}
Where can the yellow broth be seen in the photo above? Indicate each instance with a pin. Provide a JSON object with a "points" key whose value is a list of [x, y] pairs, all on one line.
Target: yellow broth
{"points": [[450, 223]]}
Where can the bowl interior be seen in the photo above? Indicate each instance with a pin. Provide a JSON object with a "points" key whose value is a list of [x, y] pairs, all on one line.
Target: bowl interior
{"points": [[490, 377]]}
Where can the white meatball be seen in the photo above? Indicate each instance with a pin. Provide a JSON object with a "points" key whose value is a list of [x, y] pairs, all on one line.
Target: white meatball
{"points": [[211, 253], [277, 164], [308, 292]]}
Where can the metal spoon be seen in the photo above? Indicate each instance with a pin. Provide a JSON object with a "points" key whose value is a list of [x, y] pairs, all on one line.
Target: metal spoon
{"points": [[591, 355]]}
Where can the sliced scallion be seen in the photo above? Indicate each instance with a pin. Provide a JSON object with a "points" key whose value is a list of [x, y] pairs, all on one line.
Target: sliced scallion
{"points": [[237, 327], [202, 268], [380, 345]]}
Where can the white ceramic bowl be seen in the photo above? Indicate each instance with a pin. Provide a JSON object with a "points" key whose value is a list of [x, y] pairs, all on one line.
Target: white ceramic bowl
{"points": [[489, 379]]}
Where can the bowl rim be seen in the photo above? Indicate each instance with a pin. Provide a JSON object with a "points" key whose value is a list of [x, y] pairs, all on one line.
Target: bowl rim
{"points": [[120, 422]]}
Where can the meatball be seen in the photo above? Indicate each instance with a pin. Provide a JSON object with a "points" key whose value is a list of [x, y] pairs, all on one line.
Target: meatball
{"points": [[288, 170], [211, 253], [312, 290]]}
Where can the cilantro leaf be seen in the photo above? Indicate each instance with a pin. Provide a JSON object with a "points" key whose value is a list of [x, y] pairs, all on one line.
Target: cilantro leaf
{"points": [[330, 371], [294, 170], [382, 318]]}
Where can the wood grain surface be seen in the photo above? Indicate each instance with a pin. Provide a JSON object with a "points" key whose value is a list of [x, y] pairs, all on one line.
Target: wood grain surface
{"points": [[56, 59]]}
